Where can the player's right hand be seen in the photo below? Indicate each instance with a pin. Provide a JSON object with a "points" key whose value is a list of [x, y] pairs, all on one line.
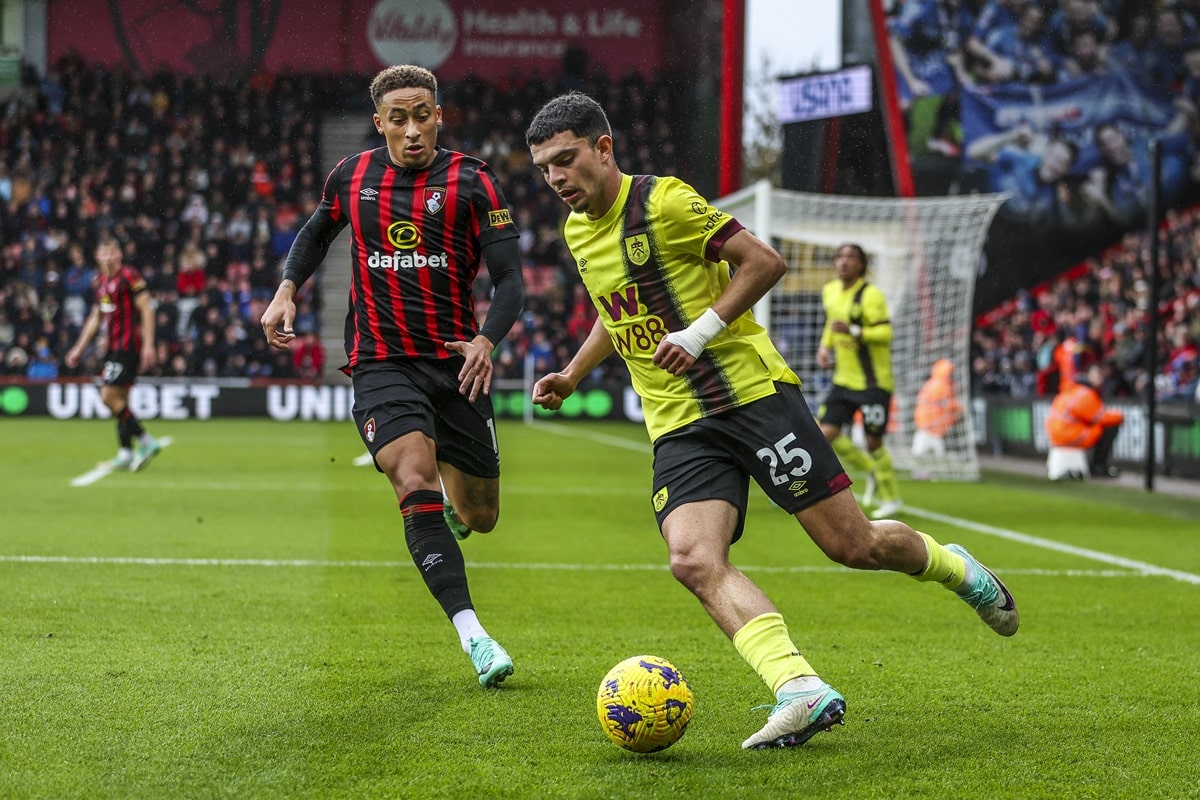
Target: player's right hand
{"points": [[281, 313], [552, 390]]}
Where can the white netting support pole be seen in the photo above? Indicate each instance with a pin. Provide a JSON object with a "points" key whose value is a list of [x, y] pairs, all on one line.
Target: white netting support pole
{"points": [[924, 255], [762, 229], [528, 379]]}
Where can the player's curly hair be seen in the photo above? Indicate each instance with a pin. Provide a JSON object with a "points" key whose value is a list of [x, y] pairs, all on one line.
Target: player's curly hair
{"points": [[863, 258], [405, 76], [574, 112]]}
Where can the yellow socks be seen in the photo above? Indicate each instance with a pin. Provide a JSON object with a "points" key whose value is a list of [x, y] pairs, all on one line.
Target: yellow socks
{"points": [[768, 648], [851, 456], [943, 567], [885, 475]]}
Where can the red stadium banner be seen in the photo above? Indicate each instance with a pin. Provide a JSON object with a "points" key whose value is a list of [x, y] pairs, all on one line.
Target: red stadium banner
{"points": [[452, 37]]}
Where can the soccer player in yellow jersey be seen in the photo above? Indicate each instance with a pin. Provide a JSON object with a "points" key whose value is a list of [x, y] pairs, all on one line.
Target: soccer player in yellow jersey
{"points": [[673, 280], [857, 343]]}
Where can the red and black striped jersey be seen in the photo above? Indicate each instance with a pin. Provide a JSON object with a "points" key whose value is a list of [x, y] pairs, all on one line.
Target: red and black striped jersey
{"points": [[418, 236], [118, 313]]}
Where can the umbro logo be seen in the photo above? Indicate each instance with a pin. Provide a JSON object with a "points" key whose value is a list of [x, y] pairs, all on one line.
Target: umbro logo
{"points": [[368, 194], [583, 265], [431, 560]]}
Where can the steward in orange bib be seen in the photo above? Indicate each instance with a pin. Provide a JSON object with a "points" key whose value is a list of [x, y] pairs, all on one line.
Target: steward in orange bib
{"points": [[1079, 419], [937, 410]]}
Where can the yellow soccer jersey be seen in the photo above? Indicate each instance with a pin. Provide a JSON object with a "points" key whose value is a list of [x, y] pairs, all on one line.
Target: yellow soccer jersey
{"points": [[865, 362], [651, 267]]}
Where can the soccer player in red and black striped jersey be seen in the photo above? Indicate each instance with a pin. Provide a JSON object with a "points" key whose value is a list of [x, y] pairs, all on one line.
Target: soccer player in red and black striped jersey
{"points": [[123, 306], [674, 280], [423, 218]]}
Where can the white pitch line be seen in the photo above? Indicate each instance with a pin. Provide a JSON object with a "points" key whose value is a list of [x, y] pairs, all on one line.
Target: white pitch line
{"points": [[304, 563], [138, 484], [1061, 547], [1002, 533], [614, 441], [105, 468], [101, 470]]}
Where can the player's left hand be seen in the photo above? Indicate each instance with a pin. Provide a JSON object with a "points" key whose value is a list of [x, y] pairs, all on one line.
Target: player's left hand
{"points": [[476, 373], [149, 357], [673, 358]]}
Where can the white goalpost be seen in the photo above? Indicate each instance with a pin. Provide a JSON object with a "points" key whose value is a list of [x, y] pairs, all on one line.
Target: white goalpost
{"points": [[924, 255]]}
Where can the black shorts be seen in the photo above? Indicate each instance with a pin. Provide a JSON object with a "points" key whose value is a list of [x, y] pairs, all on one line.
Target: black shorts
{"points": [[774, 440], [392, 398], [120, 368], [841, 403]]}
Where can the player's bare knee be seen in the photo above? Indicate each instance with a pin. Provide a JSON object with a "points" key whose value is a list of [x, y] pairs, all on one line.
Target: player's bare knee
{"points": [[688, 570], [479, 518], [404, 485], [863, 549]]}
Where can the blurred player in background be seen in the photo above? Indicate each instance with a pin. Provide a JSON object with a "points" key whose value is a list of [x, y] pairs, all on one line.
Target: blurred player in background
{"points": [[857, 343], [422, 218], [124, 311], [673, 280]]}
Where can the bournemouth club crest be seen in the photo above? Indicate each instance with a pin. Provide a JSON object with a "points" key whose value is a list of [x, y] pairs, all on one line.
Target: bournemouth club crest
{"points": [[435, 198]]}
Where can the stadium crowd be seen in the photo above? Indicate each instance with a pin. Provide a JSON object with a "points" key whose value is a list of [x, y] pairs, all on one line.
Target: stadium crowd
{"points": [[206, 180], [204, 183], [975, 68], [1100, 313]]}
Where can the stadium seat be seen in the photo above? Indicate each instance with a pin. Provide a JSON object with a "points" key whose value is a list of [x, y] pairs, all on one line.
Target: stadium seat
{"points": [[1070, 463]]}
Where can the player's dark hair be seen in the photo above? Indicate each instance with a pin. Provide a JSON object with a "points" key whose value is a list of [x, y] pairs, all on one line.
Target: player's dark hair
{"points": [[405, 76], [574, 112], [862, 254]]}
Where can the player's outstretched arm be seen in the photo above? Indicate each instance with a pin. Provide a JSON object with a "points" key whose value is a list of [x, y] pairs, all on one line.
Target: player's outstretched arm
{"points": [[90, 327], [550, 392], [308, 250], [145, 309]]}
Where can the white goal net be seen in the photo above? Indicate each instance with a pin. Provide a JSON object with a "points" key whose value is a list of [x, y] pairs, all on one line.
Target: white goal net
{"points": [[924, 255]]}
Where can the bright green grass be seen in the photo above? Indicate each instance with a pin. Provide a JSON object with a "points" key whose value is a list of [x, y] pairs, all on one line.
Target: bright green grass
{"points": [[241, 620]]}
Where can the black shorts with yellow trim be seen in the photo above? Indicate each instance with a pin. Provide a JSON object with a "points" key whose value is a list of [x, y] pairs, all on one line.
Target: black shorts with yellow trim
{"points": [[774, 440], [841, 403]]}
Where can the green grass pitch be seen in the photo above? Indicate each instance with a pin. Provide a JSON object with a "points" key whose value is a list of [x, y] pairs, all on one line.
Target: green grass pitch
{"points": [[242, 620]]}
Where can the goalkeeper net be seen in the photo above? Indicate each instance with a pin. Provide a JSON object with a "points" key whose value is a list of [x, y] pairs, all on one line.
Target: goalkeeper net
{"points": [[924, 254]]}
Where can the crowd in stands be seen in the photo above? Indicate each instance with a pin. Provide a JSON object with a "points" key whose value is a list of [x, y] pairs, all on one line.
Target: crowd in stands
{"points": [[1045, 42], [206, 180], [1009, 80], [1067, 179], [203, 181], [1100, 313]]}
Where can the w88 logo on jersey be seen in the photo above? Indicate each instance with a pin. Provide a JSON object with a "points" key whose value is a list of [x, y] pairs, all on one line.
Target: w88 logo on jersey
{"points": [[642, 336]]}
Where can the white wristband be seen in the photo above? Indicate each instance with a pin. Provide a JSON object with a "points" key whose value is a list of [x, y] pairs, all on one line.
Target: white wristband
{"points": [[856, 331], [694, 337]]}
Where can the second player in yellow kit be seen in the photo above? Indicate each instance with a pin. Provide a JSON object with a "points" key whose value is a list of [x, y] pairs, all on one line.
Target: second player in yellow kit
{"points": [[857, 343]]}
